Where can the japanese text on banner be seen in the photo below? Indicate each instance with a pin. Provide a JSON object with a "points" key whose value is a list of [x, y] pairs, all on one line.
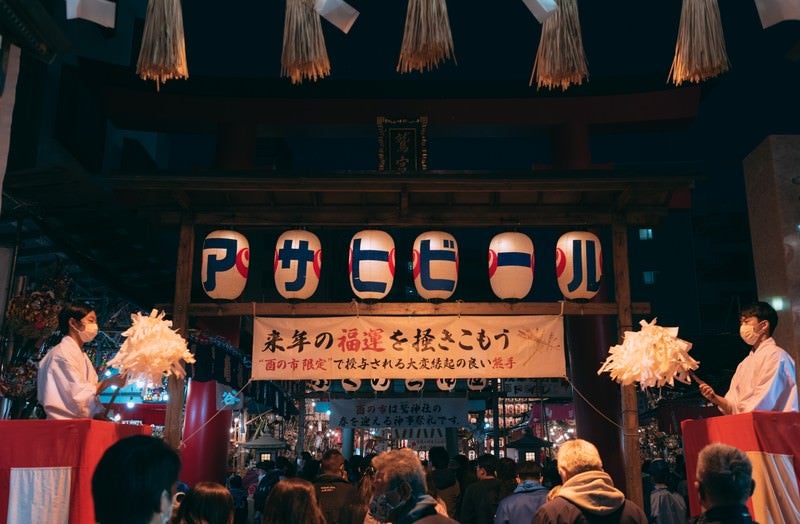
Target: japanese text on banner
{"points": [[408, 347]]}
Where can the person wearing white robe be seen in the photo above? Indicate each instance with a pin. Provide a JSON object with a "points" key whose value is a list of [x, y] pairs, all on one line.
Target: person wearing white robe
{"points": [[765, 379], [67, 381]]}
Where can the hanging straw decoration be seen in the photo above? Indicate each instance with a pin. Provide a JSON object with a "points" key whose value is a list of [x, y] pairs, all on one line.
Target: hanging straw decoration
{"points": [[304, 55], [427, 40], [560, 59], [653, 357], [700, 49], [162, 55]]}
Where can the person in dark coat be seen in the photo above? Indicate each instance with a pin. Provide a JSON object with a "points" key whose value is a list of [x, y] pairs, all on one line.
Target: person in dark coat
{"points": [[724, 482], [520, 506], [480, 501], [443, 480], [239, 494], [265, 483], [333, 489], [588, 493]]}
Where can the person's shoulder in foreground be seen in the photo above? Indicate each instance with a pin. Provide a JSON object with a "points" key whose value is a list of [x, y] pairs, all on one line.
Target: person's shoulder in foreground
{"points": [[588, 493]]}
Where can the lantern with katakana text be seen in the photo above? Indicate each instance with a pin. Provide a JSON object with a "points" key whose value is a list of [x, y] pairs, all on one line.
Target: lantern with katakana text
{"points": [[297, 264], [371, 264], [579, 265], [225, 264], [435, 265], [511, 263]]}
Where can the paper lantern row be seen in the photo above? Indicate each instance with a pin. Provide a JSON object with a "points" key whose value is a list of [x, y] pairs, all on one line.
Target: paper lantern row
{"points": [[297, 264], [383, 384]]}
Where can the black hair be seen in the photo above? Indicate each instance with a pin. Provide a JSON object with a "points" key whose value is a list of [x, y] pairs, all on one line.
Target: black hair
{"points": [[76, 310], [439, 457], [489, 463], [130, 478], [529, 470], [762, 311]]}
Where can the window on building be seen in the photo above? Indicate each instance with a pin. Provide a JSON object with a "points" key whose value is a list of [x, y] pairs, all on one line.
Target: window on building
{"points": [[645, 233], [530, 455], [649, 277]]}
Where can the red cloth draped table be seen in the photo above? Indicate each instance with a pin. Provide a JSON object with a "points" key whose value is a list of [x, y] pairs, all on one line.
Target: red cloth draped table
{"points": [[71, 448], [771, 441]]}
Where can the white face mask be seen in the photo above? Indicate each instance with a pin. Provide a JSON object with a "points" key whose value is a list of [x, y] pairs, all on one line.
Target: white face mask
{"points": [[89, 331], [748, 334]]}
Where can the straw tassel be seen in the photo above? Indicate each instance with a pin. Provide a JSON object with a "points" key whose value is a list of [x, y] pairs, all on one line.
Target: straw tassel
{"points": [[700, 49], [560, 59], [304, 54], [162, 55], [427, 40]]}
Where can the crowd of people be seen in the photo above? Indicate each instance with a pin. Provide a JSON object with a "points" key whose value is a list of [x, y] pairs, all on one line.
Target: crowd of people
{"points": [[135, 483]]}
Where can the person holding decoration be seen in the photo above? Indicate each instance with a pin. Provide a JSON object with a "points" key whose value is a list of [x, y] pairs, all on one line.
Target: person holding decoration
{"points": [[68, 386], [765, 379]]}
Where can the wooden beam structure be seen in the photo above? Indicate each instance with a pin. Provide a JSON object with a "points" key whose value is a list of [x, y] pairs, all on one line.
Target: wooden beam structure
{"points": [[312, 309]]}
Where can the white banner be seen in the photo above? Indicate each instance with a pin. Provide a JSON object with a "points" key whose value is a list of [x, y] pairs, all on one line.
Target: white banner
{"points": [[399, 413], [38, 495], [408, 347], [421, 439]]}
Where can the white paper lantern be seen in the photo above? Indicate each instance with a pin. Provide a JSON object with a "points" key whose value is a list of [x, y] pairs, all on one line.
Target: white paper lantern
{"points": [[435, 265], [476, 384], [371, 264], [511, 261], [579, 265], [297, 264], [380, 384], [225, 264], [319, 385], [446, 384], [415, 384], [351, 384]]}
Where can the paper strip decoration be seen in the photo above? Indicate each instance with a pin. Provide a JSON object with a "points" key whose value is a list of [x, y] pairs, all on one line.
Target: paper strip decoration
{"points": [[339, 13], [100, 12], [541, 9]]}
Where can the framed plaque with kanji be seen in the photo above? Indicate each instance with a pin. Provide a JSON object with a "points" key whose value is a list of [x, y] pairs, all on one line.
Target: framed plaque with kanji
{"points": [[402, 144]]}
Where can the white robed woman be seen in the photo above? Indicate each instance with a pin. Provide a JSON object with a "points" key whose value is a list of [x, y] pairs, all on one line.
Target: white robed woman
{"points": [[68, 386]]}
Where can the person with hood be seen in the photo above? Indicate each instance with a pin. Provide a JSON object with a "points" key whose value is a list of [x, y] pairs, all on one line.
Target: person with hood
{"points": [[443, 480], [400, 494], [521, 505], [588, 493]]}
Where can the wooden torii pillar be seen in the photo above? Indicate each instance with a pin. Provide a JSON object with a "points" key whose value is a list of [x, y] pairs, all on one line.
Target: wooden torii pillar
{"points": [[173, 422]]}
